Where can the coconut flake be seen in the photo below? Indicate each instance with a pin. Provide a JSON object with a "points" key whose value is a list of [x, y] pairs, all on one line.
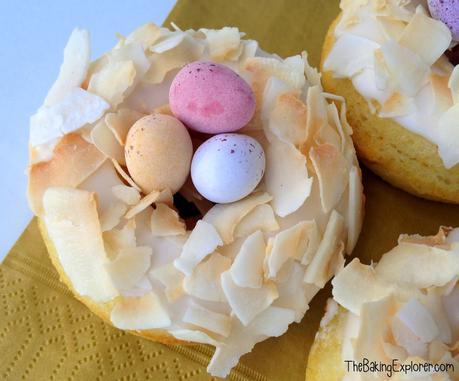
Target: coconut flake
{"points": [[434, 34], [106, 142], [247, 268], [287, 244], [419, 320], [312, 239], [406, 339], [407, 70], [78, 108], [131, 52], [171, 279], [72, 73], [287, 119], [273, 321], [331, 169], [129, 266], [358, 284], [223, 43], [318, 271], [204, 282], [448, 136], [203, 240], [125, 175], [146, 35], [207, 319], [354, 211], [71, 220], [113, 81], [260, 218], [165, 221], [247, 302], [286, 177], [193, 336], [350, 55], [111, 217], [453, 84], [144, 203], [225, 217], [140, 313], [128, 195], [121, 121], [396, 266], [115, 240]]}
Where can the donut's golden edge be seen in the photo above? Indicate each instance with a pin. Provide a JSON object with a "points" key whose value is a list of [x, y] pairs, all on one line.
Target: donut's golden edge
{"points": [[404, 159]]}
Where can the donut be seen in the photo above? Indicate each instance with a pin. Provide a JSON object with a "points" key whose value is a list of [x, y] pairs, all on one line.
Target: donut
{"points": [[400, 311], [127, 229], [389, 61]]}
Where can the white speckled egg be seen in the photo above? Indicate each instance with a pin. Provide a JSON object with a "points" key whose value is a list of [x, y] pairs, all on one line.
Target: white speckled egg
{"points": [[227, 167]]}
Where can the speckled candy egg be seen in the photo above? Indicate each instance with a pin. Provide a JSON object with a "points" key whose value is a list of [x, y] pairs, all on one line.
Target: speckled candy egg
{"points": [[227, 167], [446, 11], [158, 153], [211, 98]]}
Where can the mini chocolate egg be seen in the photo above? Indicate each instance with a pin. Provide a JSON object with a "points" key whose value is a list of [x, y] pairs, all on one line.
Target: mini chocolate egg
{"points": [[446, 11], [211, 98], [158, 153], [227, 167]]}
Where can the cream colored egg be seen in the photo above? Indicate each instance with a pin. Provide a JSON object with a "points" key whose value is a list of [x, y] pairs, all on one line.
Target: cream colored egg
{"points": [[158, 153]]}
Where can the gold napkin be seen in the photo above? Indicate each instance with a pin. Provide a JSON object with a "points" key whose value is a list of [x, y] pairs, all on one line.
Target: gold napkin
{"points": [[45, 334]]}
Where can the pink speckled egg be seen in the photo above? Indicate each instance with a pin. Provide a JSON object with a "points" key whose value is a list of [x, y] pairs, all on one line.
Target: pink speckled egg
{"points": [[448, 12], [211, 98]]}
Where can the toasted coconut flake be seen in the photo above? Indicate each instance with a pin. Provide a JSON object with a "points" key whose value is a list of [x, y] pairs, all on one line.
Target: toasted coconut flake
{"points": [[169, 40], [180, 50], [354, 214], [223, 43], [290, 70], [125, 175], [129, 195], [453, 84], [85, 159], [204, 282], [144, 203], [207, 319], [72, 73], [131, 52], [171, 279], [397, 105], [407, 70], [288, 119], [121, 121], [71, 220], [225, 217], [273, 322], [116, 240], [448, 134], [312, 238], [434, 34], [247, 302], [247, 268], [129, 266], [272, 90], [330, 167], [312, 74], [78, 108], [146, 35], [260, 218], [294, 294], [165, 221], [203, 240], [286, 177], [193, 336], [397, 265], [443, 95], [369, 342], [318, 270], [406, 339], [145, 312], [288, 244], [355, 52], [419, 320], [104, 139], [113, 81], [111, 217], [317, 115], [358, 284]]}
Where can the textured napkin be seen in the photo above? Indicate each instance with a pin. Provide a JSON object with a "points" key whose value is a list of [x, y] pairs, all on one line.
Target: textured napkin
{"points": [[45, 334]]}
